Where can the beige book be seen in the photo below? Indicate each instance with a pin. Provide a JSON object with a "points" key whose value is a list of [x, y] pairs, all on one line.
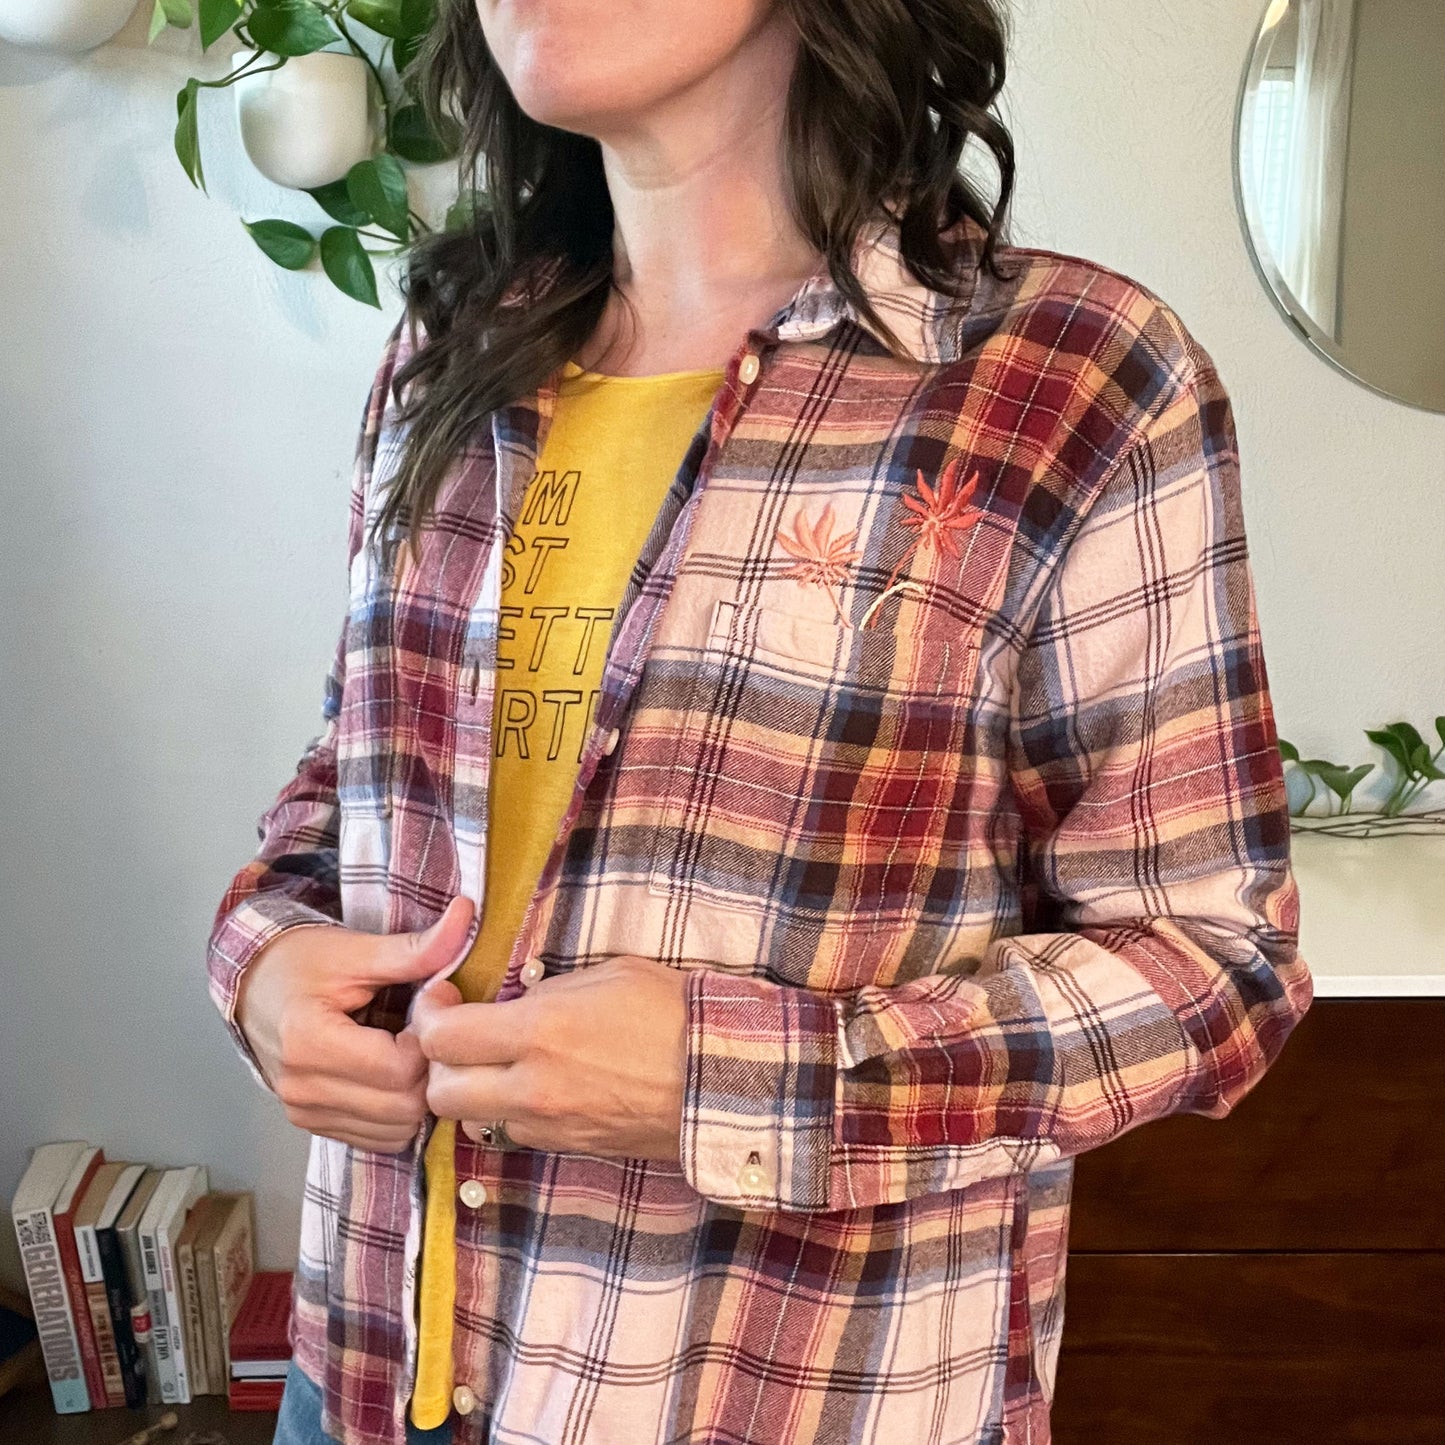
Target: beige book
{"points": [[225, 1261], [190, 1292]]}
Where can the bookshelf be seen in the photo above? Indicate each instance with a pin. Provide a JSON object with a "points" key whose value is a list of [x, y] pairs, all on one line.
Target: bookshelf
{"points": [[27, 1414]]}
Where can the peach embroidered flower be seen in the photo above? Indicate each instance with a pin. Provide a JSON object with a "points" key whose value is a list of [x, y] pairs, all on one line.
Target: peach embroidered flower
{"points": [[938, 516], [823, 559]]}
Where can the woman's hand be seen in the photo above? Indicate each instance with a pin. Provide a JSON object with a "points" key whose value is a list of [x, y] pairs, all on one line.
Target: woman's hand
{"points": [[590, 1062], [363, 1086]]}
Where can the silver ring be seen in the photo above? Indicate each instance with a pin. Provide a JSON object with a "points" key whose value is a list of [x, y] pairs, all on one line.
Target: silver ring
{"points": [[496, 1137]]}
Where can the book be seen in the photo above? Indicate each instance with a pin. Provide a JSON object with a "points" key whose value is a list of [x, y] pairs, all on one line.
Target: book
{"points": [[212, 1329], [260, 1342], [111, 1391], [227, 1265], [168, 1230], [117, 1291], [255, 1394], [162, 1221], [127, 1231], [190, 1293], [63, 1214], [49, 1168]]}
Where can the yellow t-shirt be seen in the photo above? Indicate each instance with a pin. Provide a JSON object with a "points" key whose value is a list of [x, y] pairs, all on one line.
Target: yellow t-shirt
{"points": [[613, 448]]}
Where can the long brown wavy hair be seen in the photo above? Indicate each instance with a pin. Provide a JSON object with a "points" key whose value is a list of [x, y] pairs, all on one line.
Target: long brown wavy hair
{"points": [[882, 101]]}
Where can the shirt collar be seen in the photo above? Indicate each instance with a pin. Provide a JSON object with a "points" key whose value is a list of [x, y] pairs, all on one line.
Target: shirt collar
{"points": [[928, 322]]}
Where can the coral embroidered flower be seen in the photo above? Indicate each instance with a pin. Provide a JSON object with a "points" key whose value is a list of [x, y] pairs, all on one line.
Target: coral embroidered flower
{"points": [[823, 559], [939, 517]]}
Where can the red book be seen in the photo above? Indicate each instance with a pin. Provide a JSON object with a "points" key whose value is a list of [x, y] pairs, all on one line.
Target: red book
{"points": [[260, 1337], [255, 1394], [71, 1193]]}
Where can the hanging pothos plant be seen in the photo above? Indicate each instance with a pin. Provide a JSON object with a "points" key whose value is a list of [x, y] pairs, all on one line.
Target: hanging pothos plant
{"points": [[370, 202], [1416, 766]]}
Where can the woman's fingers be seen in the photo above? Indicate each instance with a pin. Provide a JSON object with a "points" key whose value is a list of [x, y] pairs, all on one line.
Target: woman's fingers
{"points": [[335, 1125], [325, 1041], [362, 1102]]}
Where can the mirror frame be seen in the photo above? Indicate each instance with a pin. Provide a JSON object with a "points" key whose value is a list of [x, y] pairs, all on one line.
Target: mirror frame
{"points": [[1285, 301]]}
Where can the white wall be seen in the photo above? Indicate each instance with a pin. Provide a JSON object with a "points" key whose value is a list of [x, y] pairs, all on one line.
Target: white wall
{"points": [[176, 425]]}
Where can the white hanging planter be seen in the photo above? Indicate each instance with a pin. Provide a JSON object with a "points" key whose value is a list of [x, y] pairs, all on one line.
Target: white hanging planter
{"points": [[308, 122], [64, 25]]}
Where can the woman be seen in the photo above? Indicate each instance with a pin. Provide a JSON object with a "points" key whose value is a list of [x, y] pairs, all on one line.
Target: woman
{"points": [[821, 636]]}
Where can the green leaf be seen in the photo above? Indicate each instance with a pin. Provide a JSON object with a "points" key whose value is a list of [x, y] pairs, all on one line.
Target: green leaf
{"points": [[291, 27], [217, 17], [158, 21], [175, 12], [1440, 727], [417, 16], [382, 16], [335, 200], [1342, 781], [1408, 735], [413, 140], [378, 187], [345, 261], [286, 243], [1420, 760], [1319, 766], [1391, 744], [403, 51], [187, 138], [1287, 751]]}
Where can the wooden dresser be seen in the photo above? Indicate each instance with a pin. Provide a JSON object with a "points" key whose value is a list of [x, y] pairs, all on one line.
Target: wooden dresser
{"points": [[1276, 1277]]}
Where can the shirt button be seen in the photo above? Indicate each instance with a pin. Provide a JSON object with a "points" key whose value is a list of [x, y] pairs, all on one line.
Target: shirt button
{"points": [[611, 740], [474, 1193], [464, 1401], [753, 1178], [532, 970], [748, 369]]}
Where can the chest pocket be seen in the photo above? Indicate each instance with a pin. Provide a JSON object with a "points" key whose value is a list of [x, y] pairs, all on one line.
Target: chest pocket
{"points": [[813, 770]]}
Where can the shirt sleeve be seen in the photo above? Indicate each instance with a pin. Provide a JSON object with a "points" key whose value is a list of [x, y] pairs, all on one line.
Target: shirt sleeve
{"points": [[1144, 763], [293, 879]]}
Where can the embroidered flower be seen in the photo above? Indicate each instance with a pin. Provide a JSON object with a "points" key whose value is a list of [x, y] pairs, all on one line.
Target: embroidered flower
{"points": [[939, 516], [823, 559]]}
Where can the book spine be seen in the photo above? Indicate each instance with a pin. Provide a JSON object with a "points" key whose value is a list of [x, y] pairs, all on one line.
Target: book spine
{"points": [[117, 1299], [80, 1310], [140, 1312], [156, 1299], [175, 1315], [191, 1305], [45, 1279], [211, 1324], [112, 1391]]}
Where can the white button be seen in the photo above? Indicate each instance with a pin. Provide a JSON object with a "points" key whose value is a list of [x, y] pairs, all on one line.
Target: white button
{"points": [[748, 370], [532, 970], [464, 1400], [474, 1193], [611, 740], [752, 1178]]}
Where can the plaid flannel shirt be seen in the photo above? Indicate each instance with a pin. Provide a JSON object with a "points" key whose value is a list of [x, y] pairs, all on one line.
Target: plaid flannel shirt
{"points": [[961, 892]]}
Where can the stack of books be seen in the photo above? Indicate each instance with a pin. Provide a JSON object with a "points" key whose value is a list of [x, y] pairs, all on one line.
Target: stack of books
{"points": [[136, 1275], [260, 1347]]}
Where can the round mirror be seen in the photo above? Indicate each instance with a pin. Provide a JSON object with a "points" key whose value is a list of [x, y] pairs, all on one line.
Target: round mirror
{"points": [[1339, 168]]}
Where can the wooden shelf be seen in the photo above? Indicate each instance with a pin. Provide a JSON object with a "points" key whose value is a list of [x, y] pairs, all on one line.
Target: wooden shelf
{"points": [[27, 1417]]}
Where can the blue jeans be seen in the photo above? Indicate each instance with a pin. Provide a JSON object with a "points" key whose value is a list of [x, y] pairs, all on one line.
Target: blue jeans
{"points": [[299, 1422]]}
